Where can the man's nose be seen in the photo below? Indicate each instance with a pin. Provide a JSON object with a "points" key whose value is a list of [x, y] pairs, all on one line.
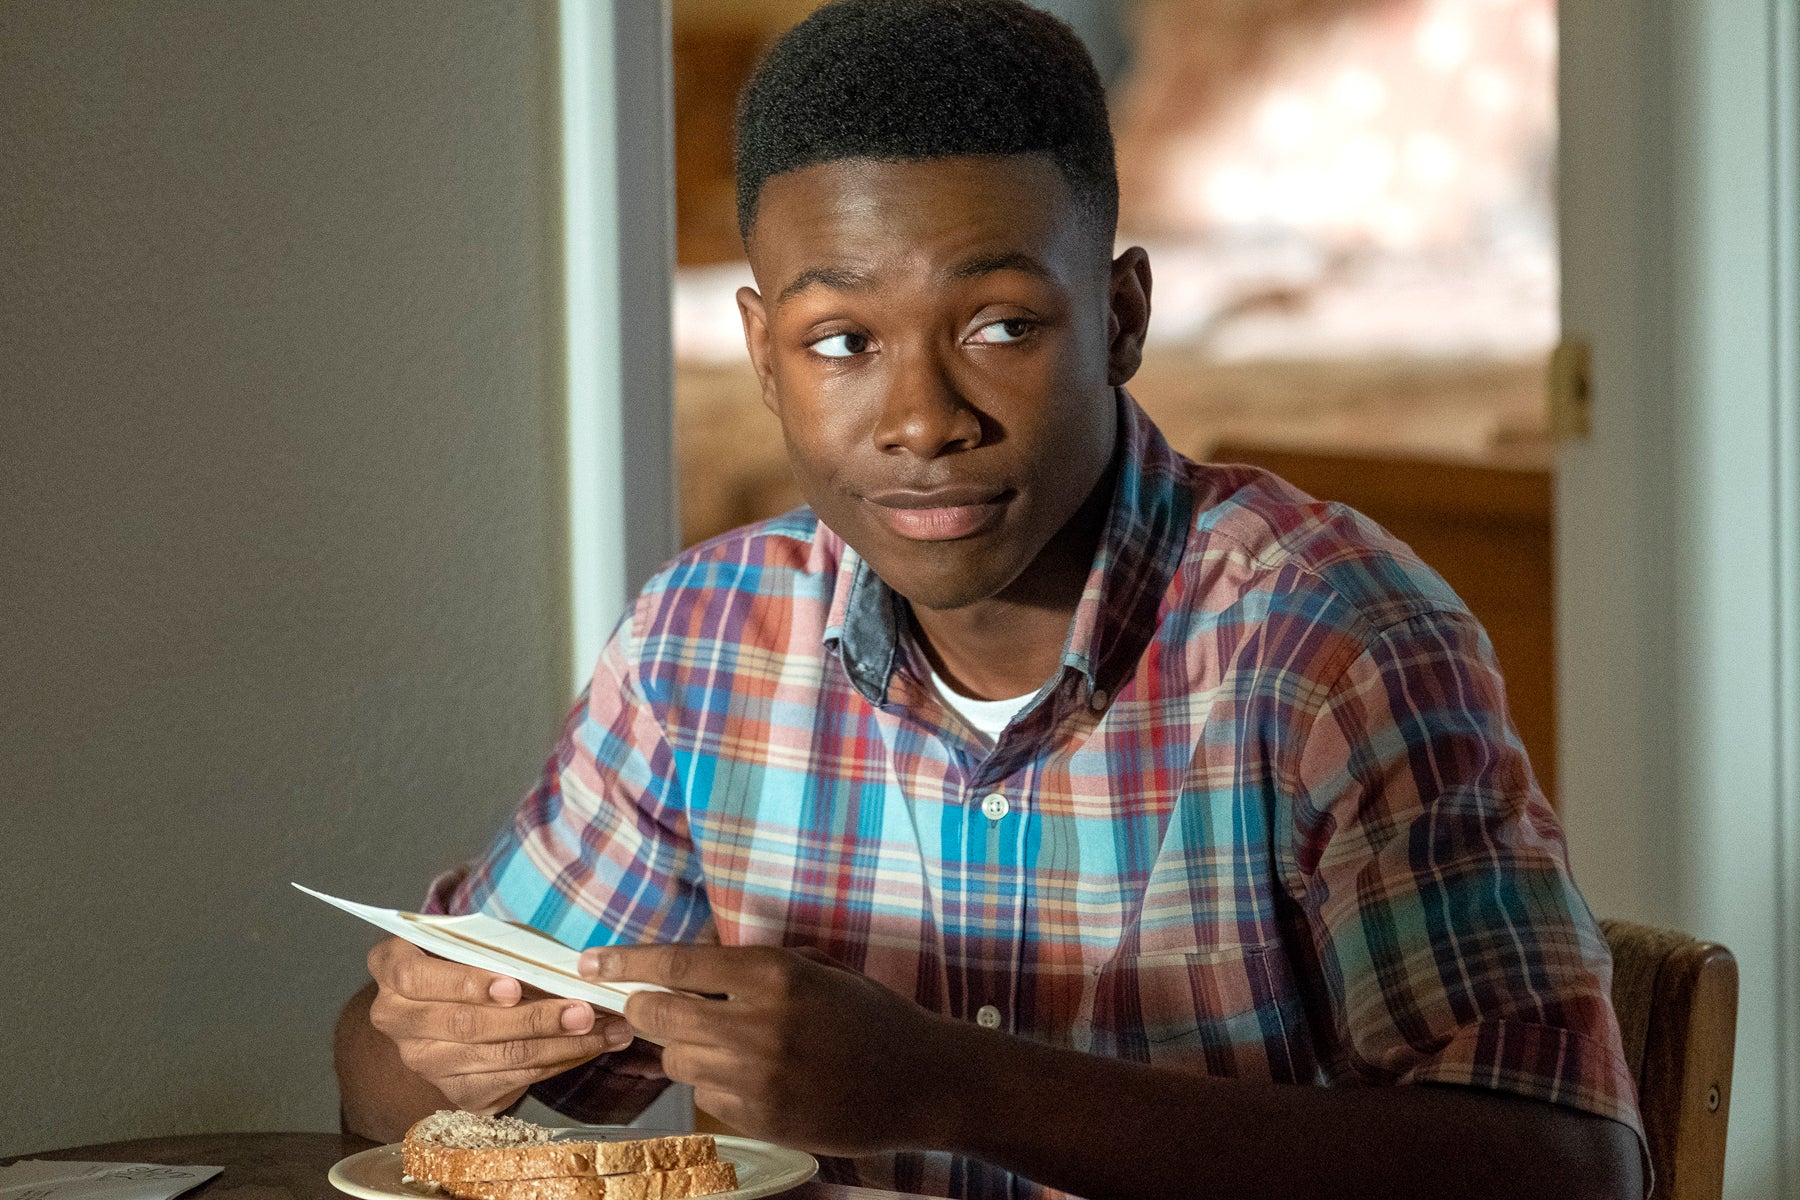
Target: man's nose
{"points": [[923, 413]]}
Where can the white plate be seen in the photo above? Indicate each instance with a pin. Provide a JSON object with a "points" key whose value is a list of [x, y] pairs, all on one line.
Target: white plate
{"points": [[763, 1169]]}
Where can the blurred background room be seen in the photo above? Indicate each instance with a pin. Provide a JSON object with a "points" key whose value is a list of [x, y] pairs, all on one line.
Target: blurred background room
{"points": [[1349, 209], [358, 358]]}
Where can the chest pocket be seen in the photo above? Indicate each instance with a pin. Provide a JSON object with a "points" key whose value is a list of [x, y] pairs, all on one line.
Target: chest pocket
{"points": [[1229, 1012]]}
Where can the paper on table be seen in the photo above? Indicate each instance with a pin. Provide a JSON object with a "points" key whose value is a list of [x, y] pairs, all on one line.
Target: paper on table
{"points": [[37, 1179], [478, 940]]}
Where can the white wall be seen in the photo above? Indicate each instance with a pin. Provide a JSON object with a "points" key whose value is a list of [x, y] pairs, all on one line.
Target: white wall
{"points": [[282, 578], [1678, 522]]}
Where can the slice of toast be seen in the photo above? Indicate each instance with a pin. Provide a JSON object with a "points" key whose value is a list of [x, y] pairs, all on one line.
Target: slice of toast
{"points": [[452, 1147], [654, 1154], [676, 1184]]}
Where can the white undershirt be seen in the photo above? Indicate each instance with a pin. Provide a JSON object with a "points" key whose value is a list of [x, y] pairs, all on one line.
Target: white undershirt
{"points": [[988, 716]]}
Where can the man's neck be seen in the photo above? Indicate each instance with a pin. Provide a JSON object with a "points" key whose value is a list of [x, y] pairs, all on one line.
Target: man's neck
{"points": [[993, 650], [1010, 643]]}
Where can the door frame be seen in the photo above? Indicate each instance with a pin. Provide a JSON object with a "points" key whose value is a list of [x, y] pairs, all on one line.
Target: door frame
{"points": [[1678, 518], [618, 219]]}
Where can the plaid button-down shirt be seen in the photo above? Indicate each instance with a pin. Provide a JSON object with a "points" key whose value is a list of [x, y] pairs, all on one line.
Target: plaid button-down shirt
{"points": [[1270, 820]]}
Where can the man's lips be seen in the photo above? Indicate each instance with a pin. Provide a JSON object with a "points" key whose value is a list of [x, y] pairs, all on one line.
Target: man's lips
{"points": [[940, 514]]}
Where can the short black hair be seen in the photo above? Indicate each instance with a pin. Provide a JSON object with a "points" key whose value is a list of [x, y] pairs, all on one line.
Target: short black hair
{"points": [[916, 79]]}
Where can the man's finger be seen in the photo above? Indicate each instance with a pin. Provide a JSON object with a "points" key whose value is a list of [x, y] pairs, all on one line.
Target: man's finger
{"points": [[483, 1024], [718, 970], [709, 1067], [691, 1020], [402, 967], [539, 1057], [488, 1094]]}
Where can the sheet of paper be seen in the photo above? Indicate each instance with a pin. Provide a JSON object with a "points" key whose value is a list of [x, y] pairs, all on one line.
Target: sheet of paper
{"points": [[478, 940], [38, 1179]]}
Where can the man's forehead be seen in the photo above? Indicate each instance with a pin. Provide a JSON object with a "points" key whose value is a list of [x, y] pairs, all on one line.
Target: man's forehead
{"points": [[853, 185], [848, 220]]}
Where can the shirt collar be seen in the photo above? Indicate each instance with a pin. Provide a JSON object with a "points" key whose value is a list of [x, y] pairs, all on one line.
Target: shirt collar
{"points": [[1140, 549]]}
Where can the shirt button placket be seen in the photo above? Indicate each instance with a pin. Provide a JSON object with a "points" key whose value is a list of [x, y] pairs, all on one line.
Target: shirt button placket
{"points": [[994, 806]]}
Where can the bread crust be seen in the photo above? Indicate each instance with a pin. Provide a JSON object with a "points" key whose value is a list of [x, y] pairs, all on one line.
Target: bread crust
{"points": [[439, 1163], [430, 1160], [677, 1184], [654, 1154]]}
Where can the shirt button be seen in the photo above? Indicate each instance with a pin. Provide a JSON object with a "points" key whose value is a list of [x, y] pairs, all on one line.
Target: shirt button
{"points": [[1098, 700], [994, 806], [988, 1017]]}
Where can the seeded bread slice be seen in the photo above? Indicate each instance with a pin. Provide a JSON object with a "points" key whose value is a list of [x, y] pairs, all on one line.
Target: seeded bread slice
{"points": [[654, 1154], [450, 1145], [677, 1184], [457, 1147]]}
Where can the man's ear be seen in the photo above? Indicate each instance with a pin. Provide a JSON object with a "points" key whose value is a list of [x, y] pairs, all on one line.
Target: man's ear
{"points": [[1129, 316], [756, 340]]}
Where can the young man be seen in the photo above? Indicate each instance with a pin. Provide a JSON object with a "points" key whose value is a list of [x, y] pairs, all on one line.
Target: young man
{"points": [[1038, 809]]}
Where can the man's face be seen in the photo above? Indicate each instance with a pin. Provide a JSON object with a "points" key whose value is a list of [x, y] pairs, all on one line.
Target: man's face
{"points": [[939, 339]]}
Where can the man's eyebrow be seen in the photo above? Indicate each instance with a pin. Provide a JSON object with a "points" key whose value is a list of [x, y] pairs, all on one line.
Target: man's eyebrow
{"points": [[837, 278], [845, 279], [1009, 260]]}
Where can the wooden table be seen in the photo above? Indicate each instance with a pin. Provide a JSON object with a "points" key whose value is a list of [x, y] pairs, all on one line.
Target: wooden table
{"points": [[292, 1166]]}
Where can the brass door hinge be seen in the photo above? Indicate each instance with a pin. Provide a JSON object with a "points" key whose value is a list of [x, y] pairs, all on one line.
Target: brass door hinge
{"points": [[1571, 390]]}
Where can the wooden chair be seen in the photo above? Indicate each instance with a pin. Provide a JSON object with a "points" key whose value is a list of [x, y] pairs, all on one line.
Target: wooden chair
{"points": [[1677, 1004]]}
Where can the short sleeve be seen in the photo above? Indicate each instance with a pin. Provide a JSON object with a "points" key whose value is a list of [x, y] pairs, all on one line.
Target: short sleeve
{"points": [[1449, 937], [599, 851]]}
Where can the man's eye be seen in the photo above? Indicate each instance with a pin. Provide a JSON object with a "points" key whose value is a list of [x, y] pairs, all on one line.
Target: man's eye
{"points": [[841, 345], [1001, 333]]}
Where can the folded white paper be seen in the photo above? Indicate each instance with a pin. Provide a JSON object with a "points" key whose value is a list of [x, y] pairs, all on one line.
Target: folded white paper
{"points": [[478, 940], [38, 1179]]}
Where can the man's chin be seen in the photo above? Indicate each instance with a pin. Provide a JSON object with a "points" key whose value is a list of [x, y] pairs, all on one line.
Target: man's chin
{"points": [[953, 585], [941, 575]]}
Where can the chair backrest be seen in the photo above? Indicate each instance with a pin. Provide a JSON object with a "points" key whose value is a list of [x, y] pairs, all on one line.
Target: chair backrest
{"points": [[1676, 999]]}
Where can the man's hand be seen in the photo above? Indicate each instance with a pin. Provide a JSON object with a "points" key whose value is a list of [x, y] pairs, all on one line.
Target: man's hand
{"points": [[475, 1035], [786, 1044]]}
